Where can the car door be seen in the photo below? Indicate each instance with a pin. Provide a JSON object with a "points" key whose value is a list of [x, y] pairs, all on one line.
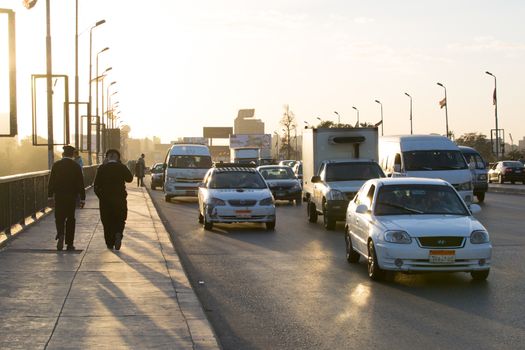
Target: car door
{"points": [[318, 188], [362, 220]]}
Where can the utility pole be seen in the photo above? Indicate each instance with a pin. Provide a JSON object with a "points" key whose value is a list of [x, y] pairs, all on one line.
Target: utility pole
{"points": [[49, 76]]}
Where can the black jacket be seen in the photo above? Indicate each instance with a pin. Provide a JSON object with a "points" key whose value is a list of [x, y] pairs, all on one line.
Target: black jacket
{"points": [[110, 180], [66, 179]]}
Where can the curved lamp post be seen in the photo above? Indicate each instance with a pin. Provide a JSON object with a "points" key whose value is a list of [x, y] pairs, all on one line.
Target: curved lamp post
{"points": [[495, 102], [410, 97], [377, 101], [446, 108], [357, 115]]}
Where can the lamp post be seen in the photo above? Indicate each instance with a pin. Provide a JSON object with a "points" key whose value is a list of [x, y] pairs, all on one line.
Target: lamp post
{"points": [[338, 117], [306, 124], [96, 99], [49, 80], [90, 99], [76, 78], [357, 115], [104, 130], [495, 102], [410, 97], [377, 101], [446, 107]]}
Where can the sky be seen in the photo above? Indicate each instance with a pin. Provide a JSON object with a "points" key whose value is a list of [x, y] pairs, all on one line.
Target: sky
{"points": [[182, 65]]}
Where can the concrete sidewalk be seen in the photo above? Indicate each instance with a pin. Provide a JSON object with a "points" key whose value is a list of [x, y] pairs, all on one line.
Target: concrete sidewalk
{"points": [[94, 298]]}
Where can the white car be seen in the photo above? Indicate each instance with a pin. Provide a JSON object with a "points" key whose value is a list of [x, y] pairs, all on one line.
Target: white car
{"points": [[232, 193], [415, 225]]}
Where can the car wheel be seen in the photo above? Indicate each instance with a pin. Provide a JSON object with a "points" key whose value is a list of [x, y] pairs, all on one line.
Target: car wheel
{"points": [[270, 226], [374, 271], [480, 275], [328, 222], [201, 219], [351, 255], [312, 213], [167, 198], [299, 200], [208, 226], [500, 179], [480, 197]]}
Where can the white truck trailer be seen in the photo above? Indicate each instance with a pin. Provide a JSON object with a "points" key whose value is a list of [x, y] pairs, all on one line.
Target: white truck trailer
{"points": [[336, 163], [244, 155]]}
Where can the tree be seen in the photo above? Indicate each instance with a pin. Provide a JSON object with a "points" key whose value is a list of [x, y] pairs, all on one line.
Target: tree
{"points": [[479, 142], [515, 154], [289, 124]]}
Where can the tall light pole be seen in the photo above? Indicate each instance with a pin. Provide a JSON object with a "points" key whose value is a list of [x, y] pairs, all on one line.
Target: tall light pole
{"points": [[90, 80], [104, 129], [357, 115], [96, 100], [446, 108], [338, 117], [49, 79], [495, 102], [410, 97], [76, 79], [377, 101]]}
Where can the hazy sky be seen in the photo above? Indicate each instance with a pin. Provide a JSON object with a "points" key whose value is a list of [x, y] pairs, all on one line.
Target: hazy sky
{"points": [[181, 65]]}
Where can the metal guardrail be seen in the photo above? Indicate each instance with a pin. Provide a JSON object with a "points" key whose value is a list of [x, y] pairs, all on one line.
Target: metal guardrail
{"points": [[24, 195]]}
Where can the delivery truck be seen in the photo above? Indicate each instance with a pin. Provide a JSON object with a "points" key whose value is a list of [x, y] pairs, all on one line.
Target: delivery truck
{"points": [[336, 163], [245, 155]]}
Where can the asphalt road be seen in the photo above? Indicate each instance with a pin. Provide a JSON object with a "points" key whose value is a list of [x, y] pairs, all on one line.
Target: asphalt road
{"points": [[293, 289]]}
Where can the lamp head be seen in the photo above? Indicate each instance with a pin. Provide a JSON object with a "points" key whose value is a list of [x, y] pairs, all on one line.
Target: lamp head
{"points": [[406, 93], [102, 21], [377, 101], [440, 84], [354, 108], [489, 73]]}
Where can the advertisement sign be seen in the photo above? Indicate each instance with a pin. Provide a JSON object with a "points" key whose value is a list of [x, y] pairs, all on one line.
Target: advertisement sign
{"points": [[262, 141]]}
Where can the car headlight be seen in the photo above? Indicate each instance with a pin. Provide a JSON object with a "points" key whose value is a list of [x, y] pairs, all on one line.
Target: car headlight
{"points": [[172, 179], [465, 186], [266, 201], [482, 177], [400, 237], [335, 195], [479, 237], [296, 187], [216, 202]]}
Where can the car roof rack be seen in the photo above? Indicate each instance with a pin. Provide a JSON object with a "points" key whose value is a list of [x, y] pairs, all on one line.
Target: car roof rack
{"points": [[235, 167]]}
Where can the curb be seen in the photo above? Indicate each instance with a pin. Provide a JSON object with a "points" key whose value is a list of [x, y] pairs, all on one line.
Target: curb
{"points": [[511, 191], [202, 334]]}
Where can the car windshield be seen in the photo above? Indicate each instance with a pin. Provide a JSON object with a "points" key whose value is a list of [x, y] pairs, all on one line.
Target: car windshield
{"points": [[418, 199], [475, 159], [434, 160], [513, 164], [277, 173], [237, 179], [189, 161], [353, 171], [157, 168]]}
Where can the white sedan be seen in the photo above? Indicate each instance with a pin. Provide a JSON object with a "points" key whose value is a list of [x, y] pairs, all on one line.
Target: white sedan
{"points": [[415, 225], [233, 193]]}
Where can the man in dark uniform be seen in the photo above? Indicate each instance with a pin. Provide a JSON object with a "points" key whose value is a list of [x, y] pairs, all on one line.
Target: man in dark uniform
{"points": [[65, 184], [110, 189]]}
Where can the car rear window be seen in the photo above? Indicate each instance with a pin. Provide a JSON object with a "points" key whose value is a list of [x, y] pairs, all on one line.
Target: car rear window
{"points": [[353, 171], [237, 180]]}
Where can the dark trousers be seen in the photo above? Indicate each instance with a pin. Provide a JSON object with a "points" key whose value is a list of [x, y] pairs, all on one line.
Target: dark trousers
{"points": [[113, 213], [65, 217], [140, 181]]}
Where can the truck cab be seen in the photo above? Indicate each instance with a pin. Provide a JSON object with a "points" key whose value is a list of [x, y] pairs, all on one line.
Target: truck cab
{"points": [[335, 185]]}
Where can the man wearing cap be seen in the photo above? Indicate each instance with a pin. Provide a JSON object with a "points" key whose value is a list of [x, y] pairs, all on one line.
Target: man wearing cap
{"points": [[110, 188], [65, 184]]}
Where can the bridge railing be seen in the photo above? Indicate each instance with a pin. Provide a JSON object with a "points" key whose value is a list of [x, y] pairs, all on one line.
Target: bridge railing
{"points": [[24, 195]]}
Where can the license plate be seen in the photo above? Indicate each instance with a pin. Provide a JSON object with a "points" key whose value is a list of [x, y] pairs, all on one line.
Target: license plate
{"points": [[279, 194], [243, 213], [442, 256], [518, 171]]}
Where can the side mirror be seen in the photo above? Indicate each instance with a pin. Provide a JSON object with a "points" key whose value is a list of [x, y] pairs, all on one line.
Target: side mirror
{"points": [[361, 209], [316, 179], [201, 185], [474, 208], [397, 168]]}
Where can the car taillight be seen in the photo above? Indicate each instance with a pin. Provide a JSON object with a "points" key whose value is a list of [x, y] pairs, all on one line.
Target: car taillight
{"points": [[508, 170]]}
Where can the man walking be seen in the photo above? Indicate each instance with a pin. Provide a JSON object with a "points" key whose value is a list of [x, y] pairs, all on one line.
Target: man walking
{"points": [[110, 189], [65, 184], [140, 170]]}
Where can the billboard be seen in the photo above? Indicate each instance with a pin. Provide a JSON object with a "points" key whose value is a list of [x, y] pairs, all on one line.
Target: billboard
{"points": [[262, 141], [217, 132], [8, 116]]}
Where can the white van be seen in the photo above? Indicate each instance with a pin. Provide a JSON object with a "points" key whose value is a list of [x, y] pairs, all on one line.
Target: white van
{"points": [[185, 167], [430, 156]]}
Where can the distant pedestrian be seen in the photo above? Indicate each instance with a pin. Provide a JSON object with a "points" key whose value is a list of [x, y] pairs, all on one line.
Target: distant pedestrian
{"points": [[140, 170], [110, 188], [65, 184]]}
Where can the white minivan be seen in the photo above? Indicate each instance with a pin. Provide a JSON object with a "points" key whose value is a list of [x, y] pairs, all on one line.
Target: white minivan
{"points": [[185, 167], [429, 156]]}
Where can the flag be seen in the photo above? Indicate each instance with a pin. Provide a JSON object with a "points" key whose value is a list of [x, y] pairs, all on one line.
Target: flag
{"points": [[29, 3], [494, 99], [443, 103]]}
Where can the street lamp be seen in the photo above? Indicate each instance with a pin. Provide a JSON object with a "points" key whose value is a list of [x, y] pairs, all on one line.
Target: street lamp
{"points": [[446, 106], [495, 102], [410, 97], [96, 98], [357, 115], [90, 99], [306, 124], [377, 101], [338, 117]]}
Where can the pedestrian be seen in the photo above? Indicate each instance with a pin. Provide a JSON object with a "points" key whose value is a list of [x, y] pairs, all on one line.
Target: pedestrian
{"points": [[140, 170], [65, 183], [110, 188]]}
